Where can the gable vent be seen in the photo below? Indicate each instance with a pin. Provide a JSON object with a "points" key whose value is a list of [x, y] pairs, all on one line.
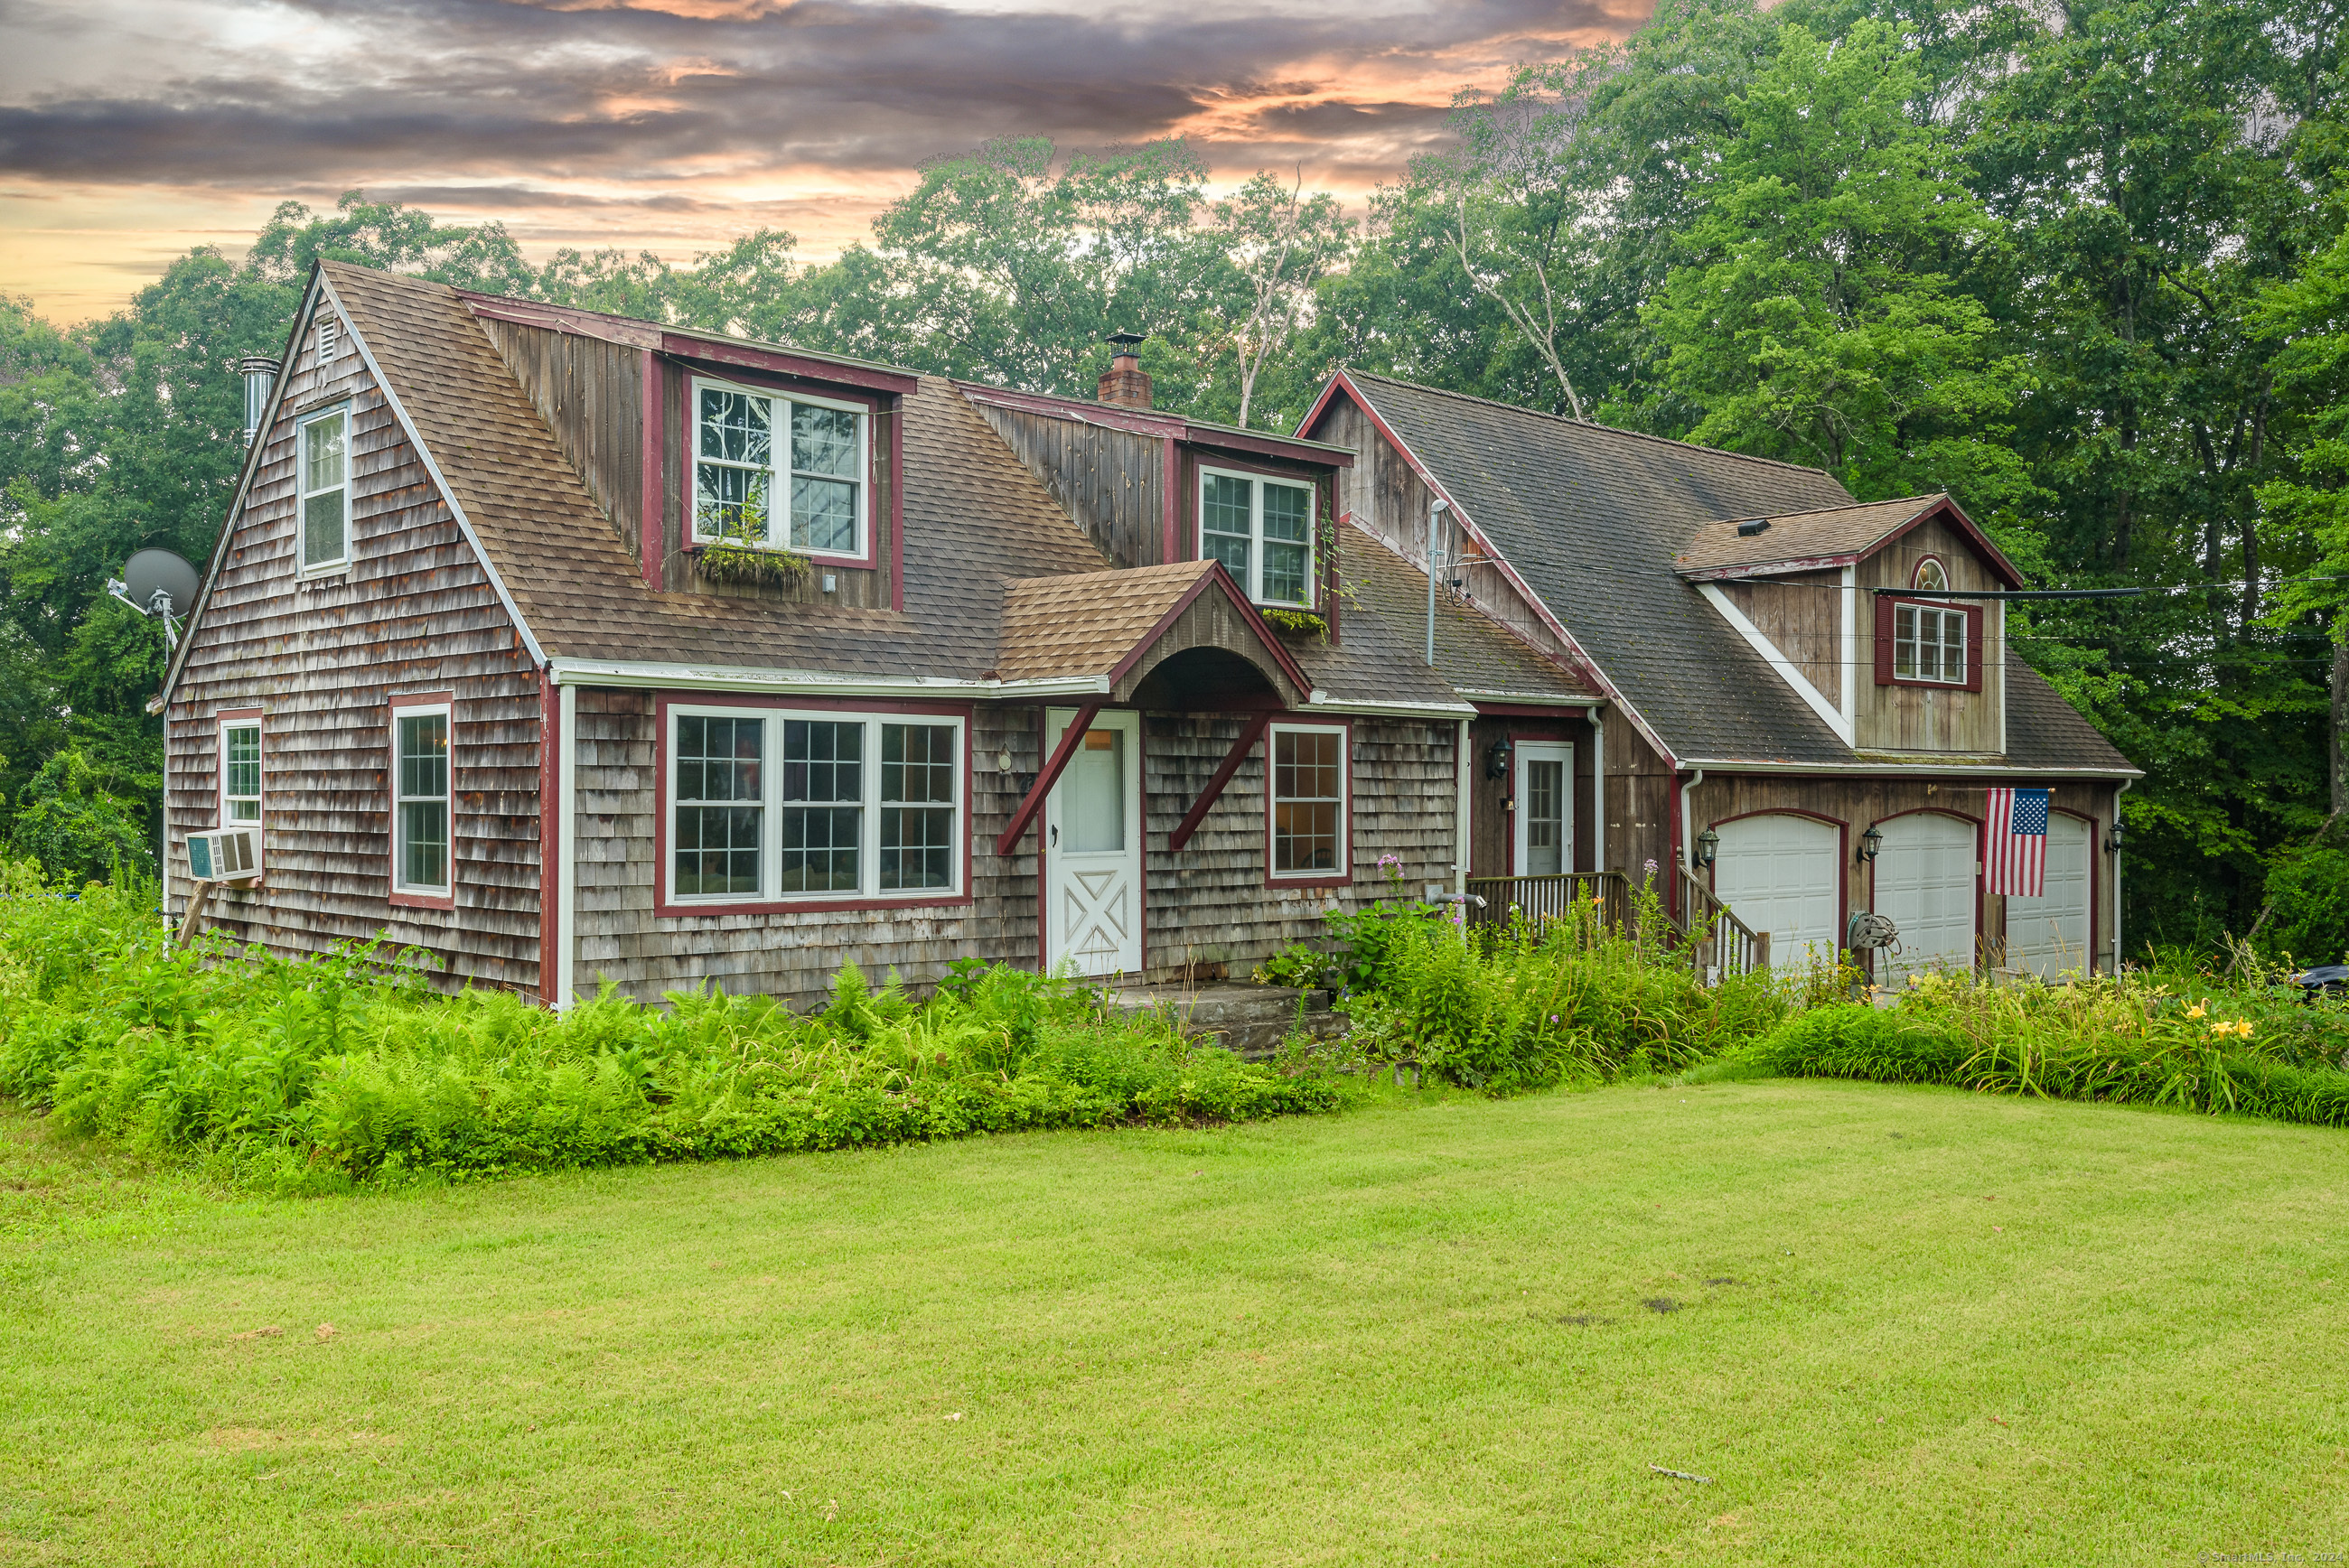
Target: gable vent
{"points": [[1752, 526], [330, 341]]}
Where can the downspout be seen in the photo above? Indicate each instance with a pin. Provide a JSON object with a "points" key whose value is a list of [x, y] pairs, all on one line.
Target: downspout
{"points": [[1681, 850], [1460, 783], [1597, 784], [2116, 875], [567, 798], [1435, 510]]}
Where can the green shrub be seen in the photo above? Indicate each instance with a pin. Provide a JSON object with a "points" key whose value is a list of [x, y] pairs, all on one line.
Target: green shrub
{"points": [[349, 1067], [2308, 918]]}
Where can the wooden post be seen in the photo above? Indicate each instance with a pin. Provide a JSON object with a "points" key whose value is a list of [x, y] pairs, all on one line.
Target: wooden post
{"points": [[191, 924], [1249, 732]]}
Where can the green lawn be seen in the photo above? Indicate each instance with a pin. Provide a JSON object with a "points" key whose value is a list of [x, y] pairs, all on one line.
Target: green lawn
{"points": [[1907, 1326]]}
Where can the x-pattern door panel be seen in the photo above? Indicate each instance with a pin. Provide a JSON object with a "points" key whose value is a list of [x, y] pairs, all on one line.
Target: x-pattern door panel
{"points": [[1092, 848]]}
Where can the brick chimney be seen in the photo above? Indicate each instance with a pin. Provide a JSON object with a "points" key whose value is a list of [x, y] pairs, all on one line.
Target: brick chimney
{"points": [[1125, 384]]}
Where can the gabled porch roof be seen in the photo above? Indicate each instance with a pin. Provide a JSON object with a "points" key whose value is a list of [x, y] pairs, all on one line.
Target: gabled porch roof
{"points": [[1179, 631]]}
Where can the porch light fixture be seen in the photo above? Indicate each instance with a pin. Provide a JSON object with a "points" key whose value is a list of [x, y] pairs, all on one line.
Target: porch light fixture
{"points": [[1497, 759], [1871, 843], [2113, 839], [1708, 844]]}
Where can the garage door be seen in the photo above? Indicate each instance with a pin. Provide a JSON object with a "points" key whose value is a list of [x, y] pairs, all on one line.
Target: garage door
{"points": [[2049, 935], [1781, 874], [1925, 882]]}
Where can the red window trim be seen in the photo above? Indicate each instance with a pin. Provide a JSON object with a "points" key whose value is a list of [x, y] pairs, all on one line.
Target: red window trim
{"points": [[1885, 657], [667, 908], [400, 900], [222, 719], [874, 404], [1344, 876], [1325, 577]]}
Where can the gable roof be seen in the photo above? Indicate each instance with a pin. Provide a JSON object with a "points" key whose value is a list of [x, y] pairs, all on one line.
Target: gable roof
{"points": [[1594, 523], [1830, 537], [1109, 624], [1591, 519], [976, 519]]}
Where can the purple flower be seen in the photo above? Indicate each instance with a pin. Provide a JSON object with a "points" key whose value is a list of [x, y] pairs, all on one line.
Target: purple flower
{"points": [[1390, 860]]}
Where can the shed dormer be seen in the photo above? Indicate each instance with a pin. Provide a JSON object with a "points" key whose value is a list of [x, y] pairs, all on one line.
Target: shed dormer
{"points": [[1853, 608]]}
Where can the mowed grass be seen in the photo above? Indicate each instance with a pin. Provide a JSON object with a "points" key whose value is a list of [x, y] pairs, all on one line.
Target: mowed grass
{"points": [[1903, 1325]]}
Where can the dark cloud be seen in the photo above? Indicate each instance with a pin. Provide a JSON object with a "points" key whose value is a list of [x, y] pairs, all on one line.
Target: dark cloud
{"points": [[443, 88]]}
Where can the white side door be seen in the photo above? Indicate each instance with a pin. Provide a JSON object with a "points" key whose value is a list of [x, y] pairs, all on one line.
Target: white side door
{"points": [[1545, 809], [2048, 935], [1926, 882], [1093, 847], [1783, 874]]}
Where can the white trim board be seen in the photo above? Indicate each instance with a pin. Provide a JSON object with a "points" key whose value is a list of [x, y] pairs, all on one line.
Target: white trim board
{"points": [[1796, 680]]}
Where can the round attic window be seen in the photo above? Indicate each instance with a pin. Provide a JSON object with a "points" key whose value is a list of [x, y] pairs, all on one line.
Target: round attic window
{"points": [[1931, 578]]}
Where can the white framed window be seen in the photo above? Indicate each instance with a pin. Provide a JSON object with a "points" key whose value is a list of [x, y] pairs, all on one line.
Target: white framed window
{"points": [[1931, 578], [1261, 529], [239, 766], [1308, 795], [769, 805], [786, 471], [1928, 644], [322, 470], [421, 801]]}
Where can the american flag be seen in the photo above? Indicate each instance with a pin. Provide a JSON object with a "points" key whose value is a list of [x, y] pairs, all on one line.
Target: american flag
{"points": [[2018, 843]]}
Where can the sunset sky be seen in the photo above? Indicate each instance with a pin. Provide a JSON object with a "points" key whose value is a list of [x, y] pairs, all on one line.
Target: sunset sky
{"points": [[132, 129]]}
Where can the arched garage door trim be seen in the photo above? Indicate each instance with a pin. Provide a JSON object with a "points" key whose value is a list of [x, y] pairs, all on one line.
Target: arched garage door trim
{"points": [[1875, 898], [1842, 868]]}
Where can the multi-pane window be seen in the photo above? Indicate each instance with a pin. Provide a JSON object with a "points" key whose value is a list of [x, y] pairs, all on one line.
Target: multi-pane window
{"points": [[1928, 644], [240, 773], [322, 464], [917, 815], [778, 471], [1308, 801], [420, 848], [1262, 530], [823, 805], [720, 813], [775, 805]]}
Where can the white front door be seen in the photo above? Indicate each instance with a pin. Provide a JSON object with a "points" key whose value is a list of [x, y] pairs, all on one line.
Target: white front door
{"points": [[1783, 875], [1093, 847], [2048, 935], [1925, 882], [1545, 809]]}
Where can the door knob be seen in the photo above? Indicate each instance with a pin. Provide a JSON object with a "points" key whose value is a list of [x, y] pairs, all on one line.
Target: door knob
{"points": [[1056, 837]]}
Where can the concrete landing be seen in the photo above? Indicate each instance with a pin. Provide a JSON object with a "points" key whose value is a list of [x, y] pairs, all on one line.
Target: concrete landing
{"points": [[1247, 1019]]}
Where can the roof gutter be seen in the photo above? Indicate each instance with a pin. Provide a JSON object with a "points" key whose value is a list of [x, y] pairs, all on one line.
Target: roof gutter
{"points": [[1322, 701], [812, 682], [1908, 770]]}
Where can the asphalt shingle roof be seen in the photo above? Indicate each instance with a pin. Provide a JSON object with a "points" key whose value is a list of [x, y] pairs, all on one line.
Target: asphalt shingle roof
{"points": [[976, 520], [1853, 530], [1595, 520]]}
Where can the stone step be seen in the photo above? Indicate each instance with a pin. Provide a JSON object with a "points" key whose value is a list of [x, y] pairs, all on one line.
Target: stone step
{"points": [[1246, 1019]]}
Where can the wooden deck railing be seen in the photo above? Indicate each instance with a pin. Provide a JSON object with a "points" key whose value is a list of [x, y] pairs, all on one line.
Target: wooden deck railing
{"points": [[1728, 943], [1546, 898]]}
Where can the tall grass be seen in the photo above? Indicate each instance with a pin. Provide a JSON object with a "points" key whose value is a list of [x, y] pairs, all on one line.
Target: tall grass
{"points": [[2131, 1040], [313, 1073], [1521, 1007]]}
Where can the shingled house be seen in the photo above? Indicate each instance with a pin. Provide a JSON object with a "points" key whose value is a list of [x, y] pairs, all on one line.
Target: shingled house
{"points": [[1795, 718], [575, 648]]}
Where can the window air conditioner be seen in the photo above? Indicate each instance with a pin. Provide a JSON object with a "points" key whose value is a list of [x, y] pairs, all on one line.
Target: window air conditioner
{"points": [[225, 855]]}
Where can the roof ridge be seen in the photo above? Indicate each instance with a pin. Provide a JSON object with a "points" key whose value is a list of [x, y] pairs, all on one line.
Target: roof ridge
{"points": [[1592, 424]]}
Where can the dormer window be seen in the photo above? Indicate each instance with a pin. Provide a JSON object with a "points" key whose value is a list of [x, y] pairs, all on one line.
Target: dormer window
{"points": [[780, 471], [1929, 644], [1931, 578], [1261, 529]]}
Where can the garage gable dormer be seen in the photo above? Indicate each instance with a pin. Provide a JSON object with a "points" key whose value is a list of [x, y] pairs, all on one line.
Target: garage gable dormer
{"points": [[1871, 613]]}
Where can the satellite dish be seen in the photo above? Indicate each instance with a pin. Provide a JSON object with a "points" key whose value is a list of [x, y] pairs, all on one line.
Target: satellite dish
{"points": [[153, 572]]}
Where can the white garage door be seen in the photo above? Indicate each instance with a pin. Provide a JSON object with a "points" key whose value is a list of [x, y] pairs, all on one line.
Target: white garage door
{"points": [[1781, 874], [1925, 882], [2049, 935]]}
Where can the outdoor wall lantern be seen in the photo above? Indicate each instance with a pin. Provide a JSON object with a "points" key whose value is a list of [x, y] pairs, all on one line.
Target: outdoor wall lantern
{"points": [[1497, 759], [2113, 839], [1871, 843], [1708, 844]]}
